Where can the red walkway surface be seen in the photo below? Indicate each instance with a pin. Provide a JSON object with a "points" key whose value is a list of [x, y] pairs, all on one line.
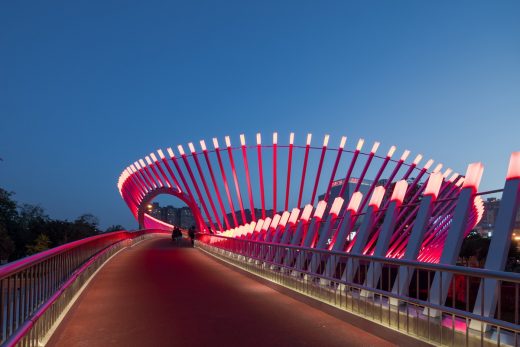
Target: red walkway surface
{"points": [[157, 295]]}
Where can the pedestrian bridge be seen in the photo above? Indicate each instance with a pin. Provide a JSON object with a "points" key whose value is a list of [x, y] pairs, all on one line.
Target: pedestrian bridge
{"points": [[361, 236]]}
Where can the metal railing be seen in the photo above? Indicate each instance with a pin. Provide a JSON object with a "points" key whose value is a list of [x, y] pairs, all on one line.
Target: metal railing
{"points": [[35, 290], [342, 280]]}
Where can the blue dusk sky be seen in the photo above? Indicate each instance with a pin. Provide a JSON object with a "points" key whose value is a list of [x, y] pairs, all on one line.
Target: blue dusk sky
{"points": [[87, 87]]}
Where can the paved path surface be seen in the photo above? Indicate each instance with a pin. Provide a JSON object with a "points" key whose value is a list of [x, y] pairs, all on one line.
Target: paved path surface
{"points": [[158, 295]]}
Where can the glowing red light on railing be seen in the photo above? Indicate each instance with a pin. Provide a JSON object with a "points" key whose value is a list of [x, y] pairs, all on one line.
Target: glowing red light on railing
{"points": [[258, 139], [191, 147], [143, 164], [437, 168], [434, 185], [275, 138], [148, 160], [473, 175], [513, 171], [228, 141], [377, 197], [215, 143], [291, 138], [161, 154], [336, 206], [181, 150], [170, 152], [447, 172], [399, 191], [320, 209], [354, 202]]}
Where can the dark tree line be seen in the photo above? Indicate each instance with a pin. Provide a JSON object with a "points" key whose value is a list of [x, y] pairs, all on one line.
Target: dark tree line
{"points": [[26, 229]]}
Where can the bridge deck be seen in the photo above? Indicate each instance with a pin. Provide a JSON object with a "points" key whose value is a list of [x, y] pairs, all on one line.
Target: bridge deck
{"points": [[156, 294]]}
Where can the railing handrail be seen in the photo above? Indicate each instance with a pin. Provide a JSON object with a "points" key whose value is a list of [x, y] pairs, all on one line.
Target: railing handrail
{"points": [[477, 272], [26, 262]]}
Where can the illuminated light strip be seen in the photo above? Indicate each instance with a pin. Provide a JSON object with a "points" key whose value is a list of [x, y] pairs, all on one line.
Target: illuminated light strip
{"points": [[139, 171], [226, 186], [399, 191], [248, 177], [260, 172], [156, 173], [359, 242], [204, 183], [165, 177], [320, 166], [398, 239], [355, 201], [215, 185], [473, 176], [343, 230], [144, 169], [275, 146], [235, 180], [351, 166], [195, 184], [144, 175], [335, 167], [377, 197], [294, 215], [169, 169], [434, 184], [284, 219], [437, 168], [513, 170], [181, 175], [304, 169], [336, 207], [289, 167], [306, 214], [320, 210], [379, 173]]}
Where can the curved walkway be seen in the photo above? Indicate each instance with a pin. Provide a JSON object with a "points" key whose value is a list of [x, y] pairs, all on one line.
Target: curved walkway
{"points": [[155, 294]]}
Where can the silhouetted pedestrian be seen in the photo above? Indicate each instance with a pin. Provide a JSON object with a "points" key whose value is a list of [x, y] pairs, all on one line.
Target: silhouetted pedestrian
{"points": [[191, 234]]}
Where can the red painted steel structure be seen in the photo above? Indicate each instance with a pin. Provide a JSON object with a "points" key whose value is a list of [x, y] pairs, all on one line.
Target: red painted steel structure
{"points": [[140, 180]]}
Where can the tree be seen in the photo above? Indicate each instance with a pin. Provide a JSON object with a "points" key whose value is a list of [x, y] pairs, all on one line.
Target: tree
{"points": [[6, 245], [41, 244], [88, 219], [117, 227]]}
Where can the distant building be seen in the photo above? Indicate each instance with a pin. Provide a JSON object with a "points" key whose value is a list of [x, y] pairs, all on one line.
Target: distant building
{"points": [[180, 216]]}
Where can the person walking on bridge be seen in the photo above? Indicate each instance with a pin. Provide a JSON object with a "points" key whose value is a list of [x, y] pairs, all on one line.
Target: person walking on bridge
{"points": [[191, 234]]}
